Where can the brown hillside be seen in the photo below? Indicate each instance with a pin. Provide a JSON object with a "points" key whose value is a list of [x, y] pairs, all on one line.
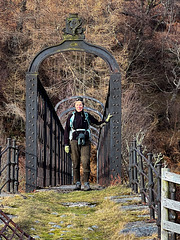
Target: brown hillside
{"points": [[144, 38]]}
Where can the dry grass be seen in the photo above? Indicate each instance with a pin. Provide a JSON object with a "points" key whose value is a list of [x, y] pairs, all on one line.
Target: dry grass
{"points": [[36, 212]]}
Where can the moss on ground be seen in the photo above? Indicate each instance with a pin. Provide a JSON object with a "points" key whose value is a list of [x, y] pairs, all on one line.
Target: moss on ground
{"points": [[43, 214]]}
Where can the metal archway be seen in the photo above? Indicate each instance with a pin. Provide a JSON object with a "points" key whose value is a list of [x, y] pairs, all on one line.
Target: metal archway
{"points": [[37, 102]]}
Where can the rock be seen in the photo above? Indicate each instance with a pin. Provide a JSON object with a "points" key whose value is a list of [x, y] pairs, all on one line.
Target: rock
{"points": [[53, 229], [37, 221], [51, 223], [95, 227], [90, 229], [140, 229], [57, 226], [123, 200], [134, 207], [69, 226], [78, 204], [54, 213]]}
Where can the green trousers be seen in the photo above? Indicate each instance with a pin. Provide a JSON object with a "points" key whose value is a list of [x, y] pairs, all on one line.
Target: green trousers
{"points": [[80, 154]]}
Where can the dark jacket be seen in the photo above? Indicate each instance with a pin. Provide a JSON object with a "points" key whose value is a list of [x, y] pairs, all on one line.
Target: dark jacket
{"points": [[79, 123]]}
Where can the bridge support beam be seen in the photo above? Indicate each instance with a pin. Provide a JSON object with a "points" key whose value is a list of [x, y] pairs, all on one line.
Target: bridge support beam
{"points": [[31, 132], [115, 128]]}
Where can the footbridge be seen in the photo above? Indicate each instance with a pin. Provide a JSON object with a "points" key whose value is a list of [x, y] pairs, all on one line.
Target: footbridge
{"points": [[47, 164]]}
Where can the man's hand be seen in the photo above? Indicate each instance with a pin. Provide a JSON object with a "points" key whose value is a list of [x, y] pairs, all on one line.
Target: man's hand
{"points": [[67, 149], [108, 118]]}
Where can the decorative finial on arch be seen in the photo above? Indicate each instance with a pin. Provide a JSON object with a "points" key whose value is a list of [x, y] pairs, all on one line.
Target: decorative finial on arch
{"points": [[73, 30]]}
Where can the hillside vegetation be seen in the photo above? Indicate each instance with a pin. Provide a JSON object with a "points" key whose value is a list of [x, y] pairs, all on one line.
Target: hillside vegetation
{"points": [[143, 36]]}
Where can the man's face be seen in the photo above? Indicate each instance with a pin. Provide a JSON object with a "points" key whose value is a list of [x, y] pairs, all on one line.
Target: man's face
{"points": [[78, 106]]}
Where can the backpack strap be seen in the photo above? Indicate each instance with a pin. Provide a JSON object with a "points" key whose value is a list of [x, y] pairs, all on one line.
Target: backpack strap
{"points": [[87, 118], [72, 128], [72, 119]]}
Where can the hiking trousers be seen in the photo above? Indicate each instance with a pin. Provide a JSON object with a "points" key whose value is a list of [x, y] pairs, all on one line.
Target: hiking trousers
{"points": [[80, 154]]}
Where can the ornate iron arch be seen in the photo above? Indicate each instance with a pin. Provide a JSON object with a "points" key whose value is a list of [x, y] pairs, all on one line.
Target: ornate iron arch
{"points": [[73, 41]]}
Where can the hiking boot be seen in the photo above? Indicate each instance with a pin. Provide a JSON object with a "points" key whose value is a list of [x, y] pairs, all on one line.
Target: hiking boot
{"points": [[87, 186], [78, 186]]}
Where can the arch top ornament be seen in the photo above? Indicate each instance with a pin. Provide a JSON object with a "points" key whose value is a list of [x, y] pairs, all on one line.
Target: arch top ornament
{"points": [[74, 40]]}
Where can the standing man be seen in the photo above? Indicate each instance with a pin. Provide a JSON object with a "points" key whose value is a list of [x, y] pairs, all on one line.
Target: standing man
{"points": [[77, 138]]}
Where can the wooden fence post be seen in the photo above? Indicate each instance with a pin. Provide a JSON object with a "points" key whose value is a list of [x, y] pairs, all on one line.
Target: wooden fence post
{"points": [[172, 213], [164, 211]]}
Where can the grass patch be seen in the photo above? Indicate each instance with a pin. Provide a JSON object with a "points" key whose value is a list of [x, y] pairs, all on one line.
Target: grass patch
{"points": [[43, 214]]}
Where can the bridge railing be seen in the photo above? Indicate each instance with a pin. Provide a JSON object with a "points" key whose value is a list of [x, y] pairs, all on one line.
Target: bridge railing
{"points": [[47, 164], [54, 165], [145, 178], [103, 164], [9, 167], [157, 190]]}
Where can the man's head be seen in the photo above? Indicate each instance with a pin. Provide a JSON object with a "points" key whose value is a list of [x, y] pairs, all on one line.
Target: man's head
{"points": [[79, 104]]}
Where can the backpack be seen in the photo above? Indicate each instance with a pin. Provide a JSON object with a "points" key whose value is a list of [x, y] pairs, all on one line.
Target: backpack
{"points": [[73, 130]]}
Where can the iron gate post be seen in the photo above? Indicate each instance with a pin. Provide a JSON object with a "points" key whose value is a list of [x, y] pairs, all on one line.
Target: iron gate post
{"points": [[9, 164], [130, 166], [31, 132], [159, 166], [16, 183], [115, 127], [142, 185], [151, 186], [13, 163], [135, 167]]}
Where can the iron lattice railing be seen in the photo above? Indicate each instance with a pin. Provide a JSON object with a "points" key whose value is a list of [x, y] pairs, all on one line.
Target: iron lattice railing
{"points": [[54, 166], [9, 167], [46, 162], [145, 177], [10, 230]]}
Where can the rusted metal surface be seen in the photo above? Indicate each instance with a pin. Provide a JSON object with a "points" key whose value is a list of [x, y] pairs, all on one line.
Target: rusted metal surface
{"points": [[10, 230]]}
